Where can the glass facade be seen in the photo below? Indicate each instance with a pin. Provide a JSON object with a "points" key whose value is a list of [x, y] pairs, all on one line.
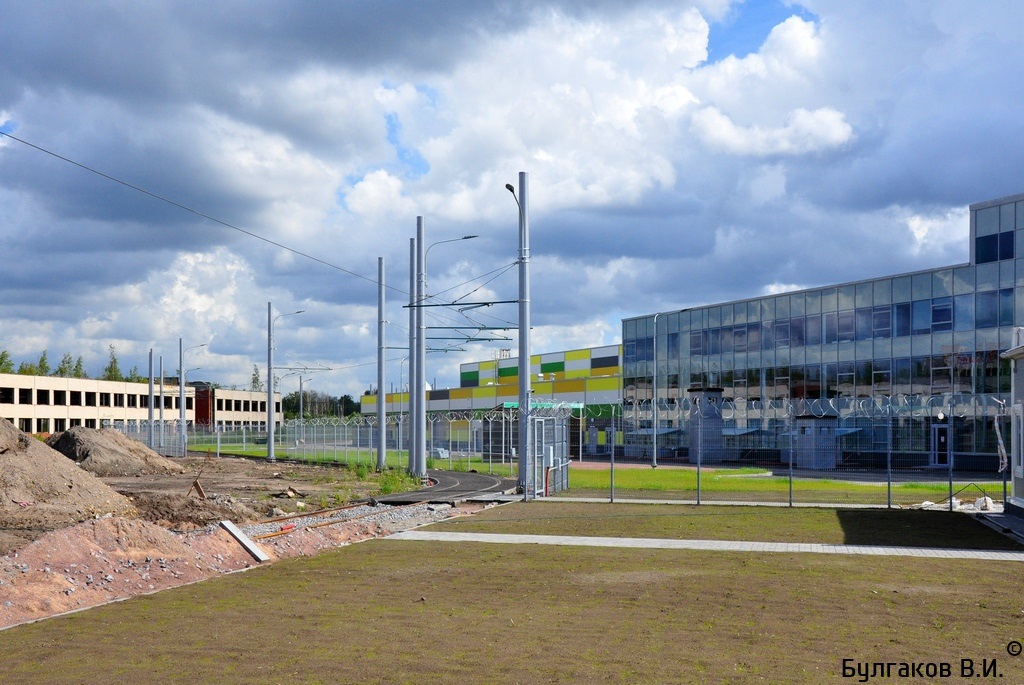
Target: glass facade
{"points": [[929, 333]]}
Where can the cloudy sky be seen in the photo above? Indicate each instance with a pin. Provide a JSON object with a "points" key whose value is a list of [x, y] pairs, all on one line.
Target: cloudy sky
{"points": [[679, 154]]}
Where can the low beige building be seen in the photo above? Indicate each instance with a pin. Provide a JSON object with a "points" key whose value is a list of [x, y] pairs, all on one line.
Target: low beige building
{"points": [[49, 404]]}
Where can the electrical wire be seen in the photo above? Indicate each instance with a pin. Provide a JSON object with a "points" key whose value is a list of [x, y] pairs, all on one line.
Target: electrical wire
{"points": [[498, 272], [196, 212]]}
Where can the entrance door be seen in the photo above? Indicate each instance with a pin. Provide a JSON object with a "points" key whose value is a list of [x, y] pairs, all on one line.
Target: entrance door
{"points": [[940, 446]]}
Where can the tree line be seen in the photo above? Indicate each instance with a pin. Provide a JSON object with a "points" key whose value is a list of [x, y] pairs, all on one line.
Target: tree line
{"points": [[318, 404], [69, 367]]}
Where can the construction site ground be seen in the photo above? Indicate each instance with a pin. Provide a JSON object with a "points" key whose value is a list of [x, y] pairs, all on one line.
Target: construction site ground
{"points": [[137, 533]]}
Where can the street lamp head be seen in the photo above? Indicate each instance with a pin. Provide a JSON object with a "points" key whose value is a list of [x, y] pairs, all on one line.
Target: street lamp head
{"points": [[469, 237], [510, 188]]}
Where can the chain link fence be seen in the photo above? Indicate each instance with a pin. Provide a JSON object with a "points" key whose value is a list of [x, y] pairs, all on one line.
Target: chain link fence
{"points": [[486, 441], [889, 451], [895, 451]]}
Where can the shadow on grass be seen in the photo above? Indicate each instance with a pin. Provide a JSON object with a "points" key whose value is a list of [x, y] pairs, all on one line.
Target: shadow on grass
{"points": [[917, 528]]}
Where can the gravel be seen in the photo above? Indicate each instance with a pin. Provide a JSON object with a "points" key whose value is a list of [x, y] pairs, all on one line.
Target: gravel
{"points": [[393, 518]]}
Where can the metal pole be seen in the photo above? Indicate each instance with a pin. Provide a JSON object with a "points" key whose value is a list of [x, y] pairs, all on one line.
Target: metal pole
{"points": [[421, 352], [949, 455], [700, 448], [181, 397], [413, 403], [270, 384], [790, 431], [654, 394], [151, 398], [381, 399], [525, 444], [611, 468], [161, 401], [888, 459]]}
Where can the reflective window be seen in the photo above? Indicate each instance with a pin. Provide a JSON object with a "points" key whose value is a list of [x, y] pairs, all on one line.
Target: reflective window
{"points": [[831, 328], [847, 326], [753, 336], [1006, 245], [739, 339], [921, 317], [1006, 307], [1006, 220], [942, 314], [963, 313], [881, 322], [986, 221], [986, 312], [902, 315], [812, 330], [767, 335], [727, 341], [782, 333], [986, 249], [797, 337], [847, 297]]}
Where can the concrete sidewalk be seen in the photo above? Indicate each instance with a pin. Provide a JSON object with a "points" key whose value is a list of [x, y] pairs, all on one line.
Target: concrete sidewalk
{"points": [[709, 545]]}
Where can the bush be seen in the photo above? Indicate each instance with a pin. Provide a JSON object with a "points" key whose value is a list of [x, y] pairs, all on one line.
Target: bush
{"points": [[395, 481]]}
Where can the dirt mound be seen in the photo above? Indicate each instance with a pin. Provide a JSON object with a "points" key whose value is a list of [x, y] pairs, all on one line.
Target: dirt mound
{"points": [[107, 559], [184, 512], [41, 489], [106, 452]]}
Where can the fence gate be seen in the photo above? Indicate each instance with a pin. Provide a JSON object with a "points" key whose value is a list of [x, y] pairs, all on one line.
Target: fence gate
{"points": [[940, 446], [549, 472]]}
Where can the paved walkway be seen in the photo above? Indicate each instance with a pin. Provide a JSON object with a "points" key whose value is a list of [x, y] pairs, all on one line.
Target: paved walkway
{"points": [[710, 545]]}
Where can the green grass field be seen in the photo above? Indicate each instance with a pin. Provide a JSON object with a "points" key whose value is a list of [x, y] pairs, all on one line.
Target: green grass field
{"points": [[754, 485], [418, 612]]}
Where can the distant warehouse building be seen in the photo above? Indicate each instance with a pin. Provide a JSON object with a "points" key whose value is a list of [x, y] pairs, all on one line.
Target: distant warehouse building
{"points": [[50, 404], [583, 384]]}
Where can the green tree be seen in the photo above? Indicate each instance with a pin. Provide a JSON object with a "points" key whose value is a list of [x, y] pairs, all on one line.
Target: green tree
{"points": [[112, 372], [28, 369], [66, 367], [79, 371], [349, 405], [6, 363], [256, 385], [135, 377], [44, 364]]}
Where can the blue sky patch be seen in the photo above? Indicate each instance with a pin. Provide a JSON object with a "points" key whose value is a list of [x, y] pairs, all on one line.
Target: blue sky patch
{"points": [[410, 158], [746, 27]]}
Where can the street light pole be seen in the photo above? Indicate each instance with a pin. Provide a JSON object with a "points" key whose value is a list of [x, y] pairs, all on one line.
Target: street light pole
{"points": [[382, 434], [525, 447], [421, 353], [150, 445], [413, 337], [654, 393], [181, 393], [270, 377], [421, 344]]}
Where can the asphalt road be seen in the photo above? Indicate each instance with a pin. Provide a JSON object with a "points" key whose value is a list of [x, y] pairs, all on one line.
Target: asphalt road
{"points": [[453, 485]]}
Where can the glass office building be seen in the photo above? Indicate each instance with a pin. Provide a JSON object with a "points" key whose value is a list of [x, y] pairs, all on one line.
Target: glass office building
{"points": [[916, 336]]}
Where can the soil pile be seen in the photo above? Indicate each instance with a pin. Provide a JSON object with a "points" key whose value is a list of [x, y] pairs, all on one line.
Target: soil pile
{"points": [[41, 489], [106, 452], [183, 512], [107, 559]]}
